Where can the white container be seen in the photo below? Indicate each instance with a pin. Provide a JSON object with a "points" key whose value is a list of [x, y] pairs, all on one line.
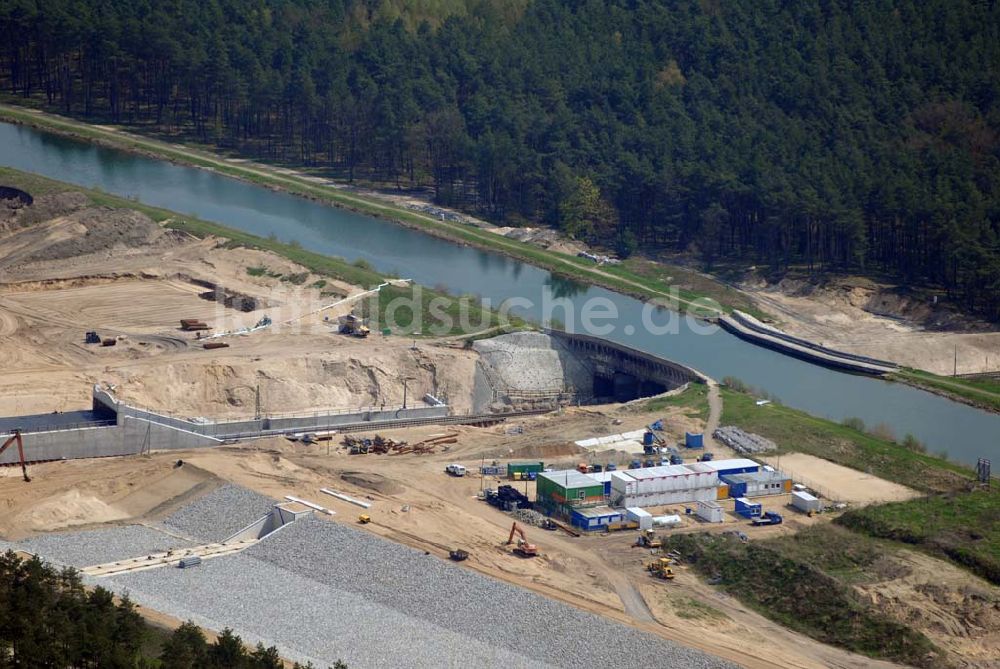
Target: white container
{"points": [[805, 502], [641, 516], [709, 511]]}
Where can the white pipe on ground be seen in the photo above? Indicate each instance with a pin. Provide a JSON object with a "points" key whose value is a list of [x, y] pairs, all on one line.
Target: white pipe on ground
{"points": [[317, 507], [358, 502]]}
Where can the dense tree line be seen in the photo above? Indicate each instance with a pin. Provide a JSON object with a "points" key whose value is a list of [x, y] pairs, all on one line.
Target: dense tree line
{"points": [[48, 619], [828, 134]]}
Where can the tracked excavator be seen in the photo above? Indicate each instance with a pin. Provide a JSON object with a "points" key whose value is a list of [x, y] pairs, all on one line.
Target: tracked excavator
{"points": [[523, 548]]}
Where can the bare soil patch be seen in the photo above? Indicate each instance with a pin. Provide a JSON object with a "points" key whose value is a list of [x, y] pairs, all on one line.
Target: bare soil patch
{"points": [[839, 482]]}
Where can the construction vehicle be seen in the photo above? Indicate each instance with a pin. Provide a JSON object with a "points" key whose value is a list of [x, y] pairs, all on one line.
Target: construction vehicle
{"points": [[549, 524], [353, 325], [455, 469], [92, 338], [769, 518], [364, 519], [193, 324], [523, 548], [16, 438], [661, 568], [648, 539], [458, 554]]}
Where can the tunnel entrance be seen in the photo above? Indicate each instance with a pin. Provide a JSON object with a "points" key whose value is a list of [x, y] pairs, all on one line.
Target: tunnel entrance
{"points": [[623, 387]]}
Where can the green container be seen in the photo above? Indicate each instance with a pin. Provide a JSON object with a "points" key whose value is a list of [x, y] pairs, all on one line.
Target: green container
{"points": [[524, 468]]}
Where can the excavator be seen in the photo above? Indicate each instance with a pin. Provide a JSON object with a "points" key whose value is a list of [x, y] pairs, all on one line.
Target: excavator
{"points": [[523, 548], [16, 438]]}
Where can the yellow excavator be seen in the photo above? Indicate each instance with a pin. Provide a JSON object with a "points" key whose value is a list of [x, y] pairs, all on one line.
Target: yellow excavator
{"points": [[523, 548], [661, 569]]}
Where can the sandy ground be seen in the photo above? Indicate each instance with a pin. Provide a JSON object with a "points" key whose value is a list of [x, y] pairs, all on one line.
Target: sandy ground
{"points": [[838, 482], [416, 503], [138, 291], [67, 271], [846, 318]]}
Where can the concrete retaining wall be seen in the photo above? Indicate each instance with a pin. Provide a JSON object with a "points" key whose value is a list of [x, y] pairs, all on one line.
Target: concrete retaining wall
{"points": [[97, 442]]}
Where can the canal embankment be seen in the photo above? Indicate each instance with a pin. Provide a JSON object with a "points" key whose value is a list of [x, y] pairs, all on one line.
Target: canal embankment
{"points": [[750, 329]]}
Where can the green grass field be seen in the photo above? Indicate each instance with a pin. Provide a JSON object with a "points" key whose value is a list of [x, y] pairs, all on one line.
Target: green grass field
{"points": [[984, 393], [962, 527], [694, 400], [798, 587]]}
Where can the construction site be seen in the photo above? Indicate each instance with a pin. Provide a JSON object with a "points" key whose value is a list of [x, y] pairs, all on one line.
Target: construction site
{"points": [[202, 431]]}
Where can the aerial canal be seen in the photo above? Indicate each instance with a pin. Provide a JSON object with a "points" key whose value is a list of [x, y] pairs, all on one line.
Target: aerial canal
{"points": [[964, 432]]}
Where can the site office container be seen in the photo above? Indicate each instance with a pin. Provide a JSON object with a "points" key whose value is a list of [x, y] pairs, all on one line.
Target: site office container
{"points": [[524, 468], [596, 518], [726, 467], [710, 511], [747, 509], [665, 498], [805, 502], [758, 484], [570, 487]]}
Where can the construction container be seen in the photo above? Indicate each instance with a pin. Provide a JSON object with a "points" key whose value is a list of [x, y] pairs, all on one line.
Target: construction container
{"points": [[694, 440], [658, 486], [190, 561], [757, 484], [569, 487], [595, 518], [724, 467], [492, 471], [209, 345], [641, 516], [524, 468], [805, 502], [748, 509], [710, 512]]}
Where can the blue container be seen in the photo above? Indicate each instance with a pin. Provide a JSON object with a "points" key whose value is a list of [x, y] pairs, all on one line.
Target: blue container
{"points": [[747, 509], [532, 476], [694, 440], [647, 439]]}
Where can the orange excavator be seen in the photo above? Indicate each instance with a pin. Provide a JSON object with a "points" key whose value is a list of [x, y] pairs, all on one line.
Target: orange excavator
{"points": [[523, 548], [16, 437]]}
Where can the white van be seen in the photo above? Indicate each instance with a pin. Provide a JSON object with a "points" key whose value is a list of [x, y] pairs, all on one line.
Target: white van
{"points": [[455, 470]]}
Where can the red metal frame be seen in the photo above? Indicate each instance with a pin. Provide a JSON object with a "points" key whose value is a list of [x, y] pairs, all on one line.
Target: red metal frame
{"points": [[16, 437]]}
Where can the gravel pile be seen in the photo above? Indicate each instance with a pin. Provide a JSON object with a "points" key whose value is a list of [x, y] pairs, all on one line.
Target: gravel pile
{"points": [[307, 621], [219, 514], [424, 588], [91, 547]]}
